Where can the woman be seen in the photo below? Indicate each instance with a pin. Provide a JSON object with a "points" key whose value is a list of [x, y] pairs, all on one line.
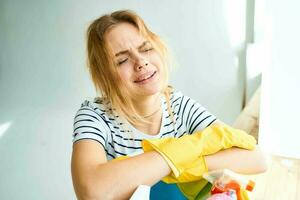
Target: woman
{"points": [[129, 67]]}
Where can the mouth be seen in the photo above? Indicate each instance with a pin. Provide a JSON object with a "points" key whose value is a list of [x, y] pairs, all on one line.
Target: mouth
{"points": [[145, 78]]}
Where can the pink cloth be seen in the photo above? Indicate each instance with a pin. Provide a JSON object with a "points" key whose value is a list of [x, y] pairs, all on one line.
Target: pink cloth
{"points": [[220, 196], [229, 195]]}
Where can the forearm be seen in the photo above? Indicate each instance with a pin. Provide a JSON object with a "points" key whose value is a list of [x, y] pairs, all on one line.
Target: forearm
{"points": [[238, 160], [120, 178]]}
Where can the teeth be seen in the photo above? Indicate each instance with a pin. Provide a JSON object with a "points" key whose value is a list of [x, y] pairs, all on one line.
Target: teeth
{"points": [[147, 77]]}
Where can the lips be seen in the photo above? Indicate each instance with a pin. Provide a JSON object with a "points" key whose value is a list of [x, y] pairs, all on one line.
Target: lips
{"points": [[145, 76]]}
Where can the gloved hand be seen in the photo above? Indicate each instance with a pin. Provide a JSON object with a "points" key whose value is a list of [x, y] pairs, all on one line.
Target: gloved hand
{"points": [[218, 137], [179, 153], [185, 155]]}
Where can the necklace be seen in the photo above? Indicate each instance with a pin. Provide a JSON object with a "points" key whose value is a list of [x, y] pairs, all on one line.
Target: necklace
{"points": [[152, 113]]}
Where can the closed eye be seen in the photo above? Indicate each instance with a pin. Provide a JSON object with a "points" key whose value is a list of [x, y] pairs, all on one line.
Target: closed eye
{"points": [[148, 49], [122, 61]]}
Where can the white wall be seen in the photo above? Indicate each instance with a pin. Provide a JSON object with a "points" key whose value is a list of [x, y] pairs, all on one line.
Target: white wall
{"points": [[43, 79], [280, 93]]}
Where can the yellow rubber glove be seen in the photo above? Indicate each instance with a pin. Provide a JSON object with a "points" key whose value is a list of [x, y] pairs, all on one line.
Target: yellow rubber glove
{"points": [[219, 137], [179, 153], [185, 155]]}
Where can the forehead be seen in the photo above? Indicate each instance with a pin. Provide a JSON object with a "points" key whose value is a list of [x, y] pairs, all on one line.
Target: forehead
{"points": [[123, 36]]}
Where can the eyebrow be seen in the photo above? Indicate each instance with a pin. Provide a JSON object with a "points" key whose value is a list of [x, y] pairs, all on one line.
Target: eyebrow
{"points": [[126, 51]]}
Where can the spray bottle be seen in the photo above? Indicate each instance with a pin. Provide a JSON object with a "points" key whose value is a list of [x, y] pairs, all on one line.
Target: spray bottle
{"points": [[225, 180]]}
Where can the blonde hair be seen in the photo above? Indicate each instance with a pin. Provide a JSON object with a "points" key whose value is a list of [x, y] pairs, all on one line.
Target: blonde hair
{"points": [[102, 66]]}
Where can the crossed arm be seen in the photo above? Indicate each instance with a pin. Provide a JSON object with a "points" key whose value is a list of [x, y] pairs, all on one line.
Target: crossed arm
{"points": [[96, 178]]}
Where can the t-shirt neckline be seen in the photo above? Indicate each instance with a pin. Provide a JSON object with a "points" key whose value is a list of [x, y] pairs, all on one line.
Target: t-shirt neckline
{"points": [[145, 135]]}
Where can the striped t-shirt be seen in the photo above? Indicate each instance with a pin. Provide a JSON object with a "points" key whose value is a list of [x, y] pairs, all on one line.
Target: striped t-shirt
{"points": [[96, 120]]}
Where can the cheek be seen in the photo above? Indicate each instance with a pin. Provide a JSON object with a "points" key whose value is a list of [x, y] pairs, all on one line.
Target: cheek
{"points": [[124, 74], [156, 61]]}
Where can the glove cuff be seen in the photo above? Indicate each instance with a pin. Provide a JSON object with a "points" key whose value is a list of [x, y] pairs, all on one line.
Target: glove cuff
{"points": [[178, 153]]}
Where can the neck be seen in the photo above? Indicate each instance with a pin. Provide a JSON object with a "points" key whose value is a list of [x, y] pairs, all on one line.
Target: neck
{"points": [[148, 106]]}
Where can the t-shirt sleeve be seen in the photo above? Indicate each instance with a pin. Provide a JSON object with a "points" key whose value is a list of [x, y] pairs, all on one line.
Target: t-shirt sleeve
{"points": [[193, 115], [89, 124]]}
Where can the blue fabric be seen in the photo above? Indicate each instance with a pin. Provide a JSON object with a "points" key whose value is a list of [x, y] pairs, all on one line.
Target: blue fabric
{"points": [[163, 191]]}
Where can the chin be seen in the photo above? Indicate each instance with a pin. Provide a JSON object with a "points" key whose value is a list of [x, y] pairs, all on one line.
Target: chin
{"points": [[147, 91], [150, 92]]}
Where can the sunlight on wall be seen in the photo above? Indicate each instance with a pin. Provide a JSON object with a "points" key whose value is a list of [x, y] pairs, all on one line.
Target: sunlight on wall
{"points": [[280, 110], [259, 53], [4, 127], [260, 60], [235, 15], [258, 57]]}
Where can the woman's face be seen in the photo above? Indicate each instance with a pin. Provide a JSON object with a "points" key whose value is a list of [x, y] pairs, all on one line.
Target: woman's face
{"points": [[138, 63]]}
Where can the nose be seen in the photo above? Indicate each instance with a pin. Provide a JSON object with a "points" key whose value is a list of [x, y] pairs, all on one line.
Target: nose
{"points": [[140, 63]]}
